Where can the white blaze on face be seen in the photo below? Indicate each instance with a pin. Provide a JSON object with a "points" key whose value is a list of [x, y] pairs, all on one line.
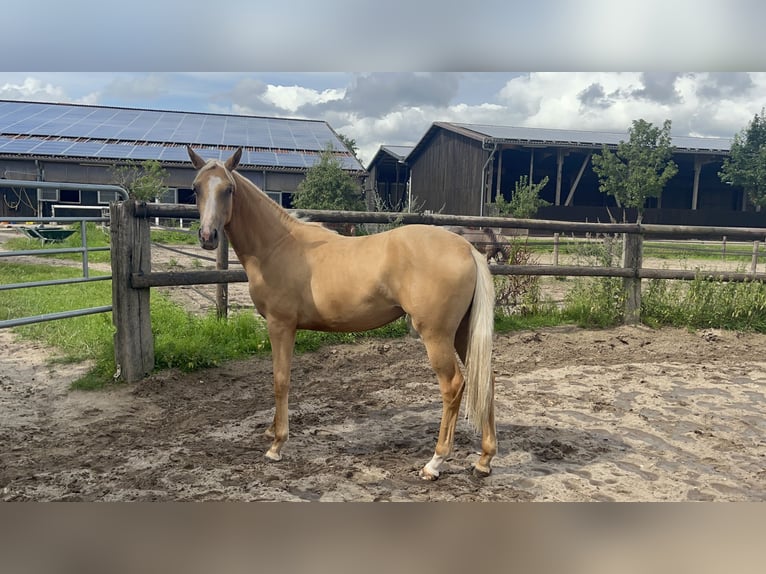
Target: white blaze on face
{"points": [[211, 218]]}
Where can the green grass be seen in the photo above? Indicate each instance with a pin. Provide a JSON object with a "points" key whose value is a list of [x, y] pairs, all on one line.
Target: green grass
{"points": [[96, 236], [170, 237], [76, 339], [705, 304], [671, 250]]}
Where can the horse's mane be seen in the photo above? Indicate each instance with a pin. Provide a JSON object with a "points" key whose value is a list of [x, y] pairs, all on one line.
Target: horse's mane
{"points": [[283, 214]]}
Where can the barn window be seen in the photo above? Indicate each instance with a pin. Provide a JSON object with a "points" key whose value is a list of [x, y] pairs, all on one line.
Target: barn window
{"points": [[106, 197], [69, 195]]}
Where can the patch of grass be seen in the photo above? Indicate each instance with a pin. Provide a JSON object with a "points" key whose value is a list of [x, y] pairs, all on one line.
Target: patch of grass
{"points": [[179, 237], [595, 302], [705, 304], [95, 235], [78, 338]]}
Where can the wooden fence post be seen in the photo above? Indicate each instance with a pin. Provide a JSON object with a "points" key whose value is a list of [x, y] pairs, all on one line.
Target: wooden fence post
{"points": [[131, 253], [754, 260], [632, 258], [222, 289]]}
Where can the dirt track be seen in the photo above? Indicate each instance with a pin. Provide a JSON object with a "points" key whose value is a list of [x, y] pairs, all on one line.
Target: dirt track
{"points": [[622, 414]]}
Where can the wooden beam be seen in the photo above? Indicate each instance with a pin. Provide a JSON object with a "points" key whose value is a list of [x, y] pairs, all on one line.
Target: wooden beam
{"points": [[695, 189], [632, 257], [499, 190], [559, 168], [577, 180]]}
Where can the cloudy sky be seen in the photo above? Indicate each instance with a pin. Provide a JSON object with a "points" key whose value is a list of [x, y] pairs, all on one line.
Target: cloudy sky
{"points": [[396, 108]]}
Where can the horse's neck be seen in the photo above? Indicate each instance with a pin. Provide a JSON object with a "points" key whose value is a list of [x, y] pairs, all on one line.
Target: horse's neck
{"points": [[257, 224]]}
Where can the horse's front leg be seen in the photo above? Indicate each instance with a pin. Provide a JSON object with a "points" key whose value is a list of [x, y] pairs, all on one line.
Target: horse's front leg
{"points": [[282, 337]]}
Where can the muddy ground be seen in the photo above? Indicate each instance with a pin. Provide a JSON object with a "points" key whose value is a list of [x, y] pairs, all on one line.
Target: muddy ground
{"points": [[625, 414]]}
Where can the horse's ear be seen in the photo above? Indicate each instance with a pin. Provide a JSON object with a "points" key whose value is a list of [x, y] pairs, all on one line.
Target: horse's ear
{"points": [[196, 160], [232, 163]]}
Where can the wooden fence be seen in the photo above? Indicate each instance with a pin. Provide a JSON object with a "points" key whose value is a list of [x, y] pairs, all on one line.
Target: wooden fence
{"points": [[133, 278]]}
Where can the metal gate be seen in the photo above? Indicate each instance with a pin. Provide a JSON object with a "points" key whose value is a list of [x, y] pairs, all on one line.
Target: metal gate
{"points": [[40, 233]]}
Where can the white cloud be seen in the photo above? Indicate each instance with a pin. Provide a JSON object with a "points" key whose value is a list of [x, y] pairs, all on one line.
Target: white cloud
{"points": [[291, 98], [31, 89]]}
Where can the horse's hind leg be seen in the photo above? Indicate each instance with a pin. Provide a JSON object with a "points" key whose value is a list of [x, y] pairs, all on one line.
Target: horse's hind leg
{"points": [[441, 354], [488, 432]]}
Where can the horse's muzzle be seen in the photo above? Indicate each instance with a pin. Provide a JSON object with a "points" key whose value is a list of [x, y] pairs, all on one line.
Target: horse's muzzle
{"points": [[207, 239]]}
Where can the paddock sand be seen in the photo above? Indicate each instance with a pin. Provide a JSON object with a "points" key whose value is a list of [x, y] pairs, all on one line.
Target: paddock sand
{"points": [[626, 414]]}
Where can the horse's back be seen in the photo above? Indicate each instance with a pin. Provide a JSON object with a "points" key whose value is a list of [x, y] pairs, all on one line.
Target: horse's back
{"points": [[433, 242]]}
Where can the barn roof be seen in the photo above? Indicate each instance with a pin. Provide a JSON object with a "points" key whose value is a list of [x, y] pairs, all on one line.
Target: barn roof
{"points": [[496, 134], [391, 152], [83, 132]]}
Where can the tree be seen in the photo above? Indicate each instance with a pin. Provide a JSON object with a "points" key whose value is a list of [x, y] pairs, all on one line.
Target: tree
{"points": [[640, 168], [145, 181], [525, 200], [328, 186], [746, 164], [350, 143]]}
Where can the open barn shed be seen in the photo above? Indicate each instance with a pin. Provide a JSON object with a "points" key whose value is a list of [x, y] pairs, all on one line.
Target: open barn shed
{"points": [[74, 143], [389, 176], [459, 168]]}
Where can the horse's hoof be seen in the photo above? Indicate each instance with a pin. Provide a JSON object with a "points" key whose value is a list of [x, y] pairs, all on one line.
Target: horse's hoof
{"points": [[273, 456], [269, 433], [426, 474], [481, 472]]}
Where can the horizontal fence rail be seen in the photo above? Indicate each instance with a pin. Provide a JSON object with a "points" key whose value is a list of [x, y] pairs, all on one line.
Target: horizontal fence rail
{"points": [[145, 209]]}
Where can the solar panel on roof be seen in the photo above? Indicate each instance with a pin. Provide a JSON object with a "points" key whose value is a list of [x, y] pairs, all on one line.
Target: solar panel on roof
{"points": [[265, 158], [175, 154], [135, 126], [19, 146], [291, 160], [146, 152], [51, 147], [115, 151], [85, 149], [595, 138], [348, 162]]}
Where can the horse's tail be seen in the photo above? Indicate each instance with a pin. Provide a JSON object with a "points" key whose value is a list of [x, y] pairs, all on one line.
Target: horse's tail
{"points": [[478, 365]]}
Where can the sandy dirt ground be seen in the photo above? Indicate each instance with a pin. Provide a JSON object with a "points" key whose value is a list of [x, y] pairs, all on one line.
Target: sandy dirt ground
{"points": [[624, 414]]}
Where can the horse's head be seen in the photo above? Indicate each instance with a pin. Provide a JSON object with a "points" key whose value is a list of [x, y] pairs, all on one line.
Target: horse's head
{"points": [[214, 190]]}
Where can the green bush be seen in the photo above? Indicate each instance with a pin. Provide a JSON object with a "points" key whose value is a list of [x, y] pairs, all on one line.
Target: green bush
{"points": [[705, 303], [595, 302]]}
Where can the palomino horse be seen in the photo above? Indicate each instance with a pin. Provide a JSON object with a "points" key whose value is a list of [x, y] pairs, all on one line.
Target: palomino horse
{"points": [[304, 276]]}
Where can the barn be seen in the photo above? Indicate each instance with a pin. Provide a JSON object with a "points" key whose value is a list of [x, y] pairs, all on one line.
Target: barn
{"points": [[388, 178], [458, 168], [74, 143]]}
